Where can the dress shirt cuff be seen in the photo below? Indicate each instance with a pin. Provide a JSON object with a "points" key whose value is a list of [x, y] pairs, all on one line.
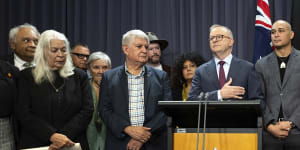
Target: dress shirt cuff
{"points": [[219, 96]]}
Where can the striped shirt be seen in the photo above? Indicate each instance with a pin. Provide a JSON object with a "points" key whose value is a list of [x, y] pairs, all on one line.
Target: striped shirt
{"points": [[136, 97]]}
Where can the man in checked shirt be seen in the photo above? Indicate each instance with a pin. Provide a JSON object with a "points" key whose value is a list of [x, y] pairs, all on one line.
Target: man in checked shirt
{"points": [[128, 99]]}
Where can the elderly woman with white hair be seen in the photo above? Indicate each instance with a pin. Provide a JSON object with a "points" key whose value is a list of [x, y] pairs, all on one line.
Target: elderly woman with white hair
{"points": [[55, 101], [98, 63]]}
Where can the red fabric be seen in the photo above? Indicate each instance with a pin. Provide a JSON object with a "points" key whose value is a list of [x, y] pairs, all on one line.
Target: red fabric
{"points": [[222, 78]]}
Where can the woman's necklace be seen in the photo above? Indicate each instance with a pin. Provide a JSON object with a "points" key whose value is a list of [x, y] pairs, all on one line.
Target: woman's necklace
{"points": [[57, 89]]}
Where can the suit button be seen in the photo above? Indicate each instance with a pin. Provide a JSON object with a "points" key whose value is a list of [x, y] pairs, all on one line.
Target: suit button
{"points": [[281, 94]]}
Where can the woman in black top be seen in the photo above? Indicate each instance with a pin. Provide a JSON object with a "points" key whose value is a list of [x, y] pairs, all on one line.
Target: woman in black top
{"points": [[55, 101]]}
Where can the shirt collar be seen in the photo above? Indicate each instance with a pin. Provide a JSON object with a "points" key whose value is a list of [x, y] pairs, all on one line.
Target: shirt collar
{"points": [[226, 59], [159, 67], [140, 74], [19, 62]]}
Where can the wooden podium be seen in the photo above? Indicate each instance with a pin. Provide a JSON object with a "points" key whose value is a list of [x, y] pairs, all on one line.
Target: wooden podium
{"points": [[230, 125]]}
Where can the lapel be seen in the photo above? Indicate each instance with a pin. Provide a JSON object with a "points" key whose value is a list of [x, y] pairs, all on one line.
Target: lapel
{"points": [[124, 84], [233, 69], [212, 73], [273, 63], [147, 83], [290, 67]]}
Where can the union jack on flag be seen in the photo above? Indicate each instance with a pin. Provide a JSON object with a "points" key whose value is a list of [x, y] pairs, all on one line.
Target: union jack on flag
{"points": [[263, 25]]}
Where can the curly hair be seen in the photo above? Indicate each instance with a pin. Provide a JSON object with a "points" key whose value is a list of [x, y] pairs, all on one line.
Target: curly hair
{"points": [[177, 79]]}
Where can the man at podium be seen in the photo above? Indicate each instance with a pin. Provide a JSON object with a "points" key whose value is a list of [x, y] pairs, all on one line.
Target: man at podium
{"points": [[225, 76]]}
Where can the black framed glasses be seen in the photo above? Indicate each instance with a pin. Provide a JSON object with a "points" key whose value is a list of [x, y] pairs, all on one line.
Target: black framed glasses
{"points": [[81, 56], [218, 37]]}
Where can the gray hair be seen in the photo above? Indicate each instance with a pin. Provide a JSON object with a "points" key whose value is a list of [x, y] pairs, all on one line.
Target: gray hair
{"points": [[42, 71], [129, 36], [13, 32], [226, 28], [99, 56]]}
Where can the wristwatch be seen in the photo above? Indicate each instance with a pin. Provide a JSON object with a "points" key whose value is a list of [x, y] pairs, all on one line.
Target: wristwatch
{"points": [[292, 124]]}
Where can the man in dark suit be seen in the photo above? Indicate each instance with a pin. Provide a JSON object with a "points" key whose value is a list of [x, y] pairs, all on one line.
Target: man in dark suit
{"points": [[241, 79], [128, 99], [23, 41], [280, 72]]}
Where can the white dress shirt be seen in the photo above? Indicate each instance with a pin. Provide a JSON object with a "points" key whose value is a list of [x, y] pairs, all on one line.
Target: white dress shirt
{"points": [[226, 68], [19, 63]]}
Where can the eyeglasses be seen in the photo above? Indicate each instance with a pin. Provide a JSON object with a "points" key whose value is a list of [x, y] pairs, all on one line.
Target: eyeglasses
{"points": [[218, 37], [81, 56]]}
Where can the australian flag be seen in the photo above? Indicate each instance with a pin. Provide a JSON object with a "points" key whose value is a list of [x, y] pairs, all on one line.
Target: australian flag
{"points": [[263, 25]]}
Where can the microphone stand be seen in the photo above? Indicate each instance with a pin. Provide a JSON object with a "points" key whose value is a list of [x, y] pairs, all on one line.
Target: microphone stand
{"points": [[204, 122], [200, 97]]}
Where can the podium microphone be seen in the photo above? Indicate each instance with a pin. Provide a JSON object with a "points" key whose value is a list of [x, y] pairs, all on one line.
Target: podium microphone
{"points": [[200, 97], [204, 121]]}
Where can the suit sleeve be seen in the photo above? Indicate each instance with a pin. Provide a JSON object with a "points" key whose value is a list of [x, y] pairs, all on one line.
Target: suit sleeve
{"points": [[8, 89], [196, 88], [267, 114], [29, 121], [78, 124], [159, 119], [112, 121], [254, 85]]}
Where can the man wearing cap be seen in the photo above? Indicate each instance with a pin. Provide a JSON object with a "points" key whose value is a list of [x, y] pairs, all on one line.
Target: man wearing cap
{"points": [[155, 48]]}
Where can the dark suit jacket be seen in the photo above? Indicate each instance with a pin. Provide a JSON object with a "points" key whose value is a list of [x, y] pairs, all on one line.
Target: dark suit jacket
{"points": [[8, 76], [41, 113], [8, 94], [242, 73], [286, 93], [113, 107]]}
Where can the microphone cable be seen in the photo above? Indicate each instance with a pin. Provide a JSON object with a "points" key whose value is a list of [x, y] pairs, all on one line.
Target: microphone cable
{"points": [[200, 97], [204, 122]]}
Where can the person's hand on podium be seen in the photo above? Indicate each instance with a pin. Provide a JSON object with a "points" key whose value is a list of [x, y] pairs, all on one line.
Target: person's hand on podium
{"points": [[141, 134], [59, 141], [280, 129], [134, 145], [228, 91]]}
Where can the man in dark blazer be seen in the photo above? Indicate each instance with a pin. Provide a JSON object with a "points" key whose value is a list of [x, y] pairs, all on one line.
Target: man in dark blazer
{"points": [[280, 73], [23, 41], [128, 99], [241, 79]]}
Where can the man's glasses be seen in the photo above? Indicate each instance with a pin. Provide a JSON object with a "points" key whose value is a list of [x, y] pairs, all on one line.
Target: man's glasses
{"points": [[218, 37], [81, 56]]}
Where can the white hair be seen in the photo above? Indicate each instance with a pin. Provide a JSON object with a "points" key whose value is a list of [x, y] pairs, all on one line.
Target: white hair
{"points": [[226, 28], [13, 32], [42, 71], [129, 36], [99, 56]]}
